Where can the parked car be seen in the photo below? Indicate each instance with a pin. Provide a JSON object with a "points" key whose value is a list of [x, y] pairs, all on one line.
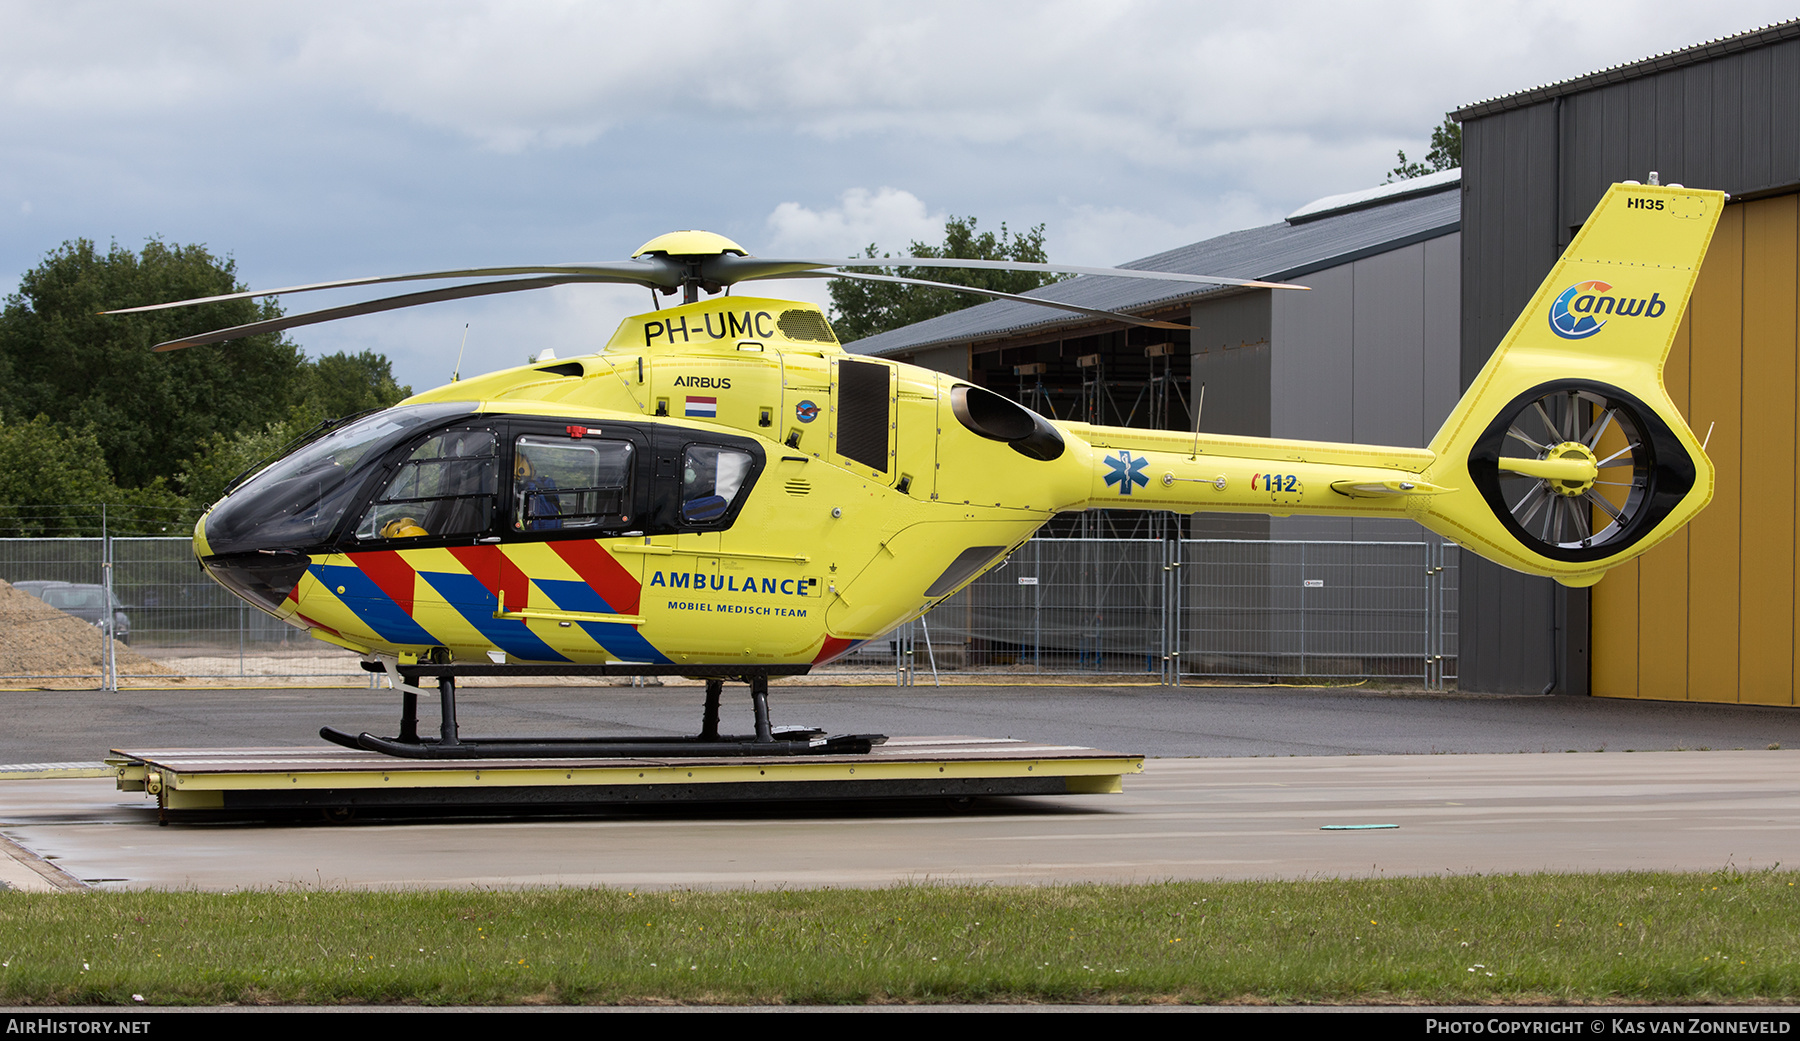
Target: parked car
{"points": [[84, 600]]}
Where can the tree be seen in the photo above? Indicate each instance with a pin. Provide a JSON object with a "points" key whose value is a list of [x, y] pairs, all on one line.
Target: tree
{"points": [[1445, 154], [148, 420], [334, 387], [339, 385], [220, 458], [50, 468], [61, 359], [860, 309]]}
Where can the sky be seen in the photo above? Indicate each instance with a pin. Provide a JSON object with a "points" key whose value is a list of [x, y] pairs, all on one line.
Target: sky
{"points": [[328, 140]]}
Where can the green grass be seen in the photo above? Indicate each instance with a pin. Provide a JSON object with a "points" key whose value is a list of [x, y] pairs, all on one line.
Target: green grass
{"points": [[1725, 937]]}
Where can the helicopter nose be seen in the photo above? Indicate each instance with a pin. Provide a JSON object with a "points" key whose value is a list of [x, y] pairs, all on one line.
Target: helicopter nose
{"points": [[263, 577], [202, 548]]}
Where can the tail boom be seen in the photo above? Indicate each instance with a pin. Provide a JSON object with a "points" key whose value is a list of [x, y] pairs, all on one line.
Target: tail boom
{"points": [[1149, 470], [1565, 457]]}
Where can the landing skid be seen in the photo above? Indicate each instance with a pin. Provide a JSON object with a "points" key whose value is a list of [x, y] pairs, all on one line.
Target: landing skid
{"points": [[449, 744]]}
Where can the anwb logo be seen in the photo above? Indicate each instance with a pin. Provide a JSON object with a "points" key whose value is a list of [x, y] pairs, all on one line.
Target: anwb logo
{"points": [[1576, 313]]}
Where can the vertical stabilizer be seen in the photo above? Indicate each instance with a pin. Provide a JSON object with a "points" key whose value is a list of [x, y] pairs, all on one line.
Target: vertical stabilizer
{"points": [[1567, 454]]}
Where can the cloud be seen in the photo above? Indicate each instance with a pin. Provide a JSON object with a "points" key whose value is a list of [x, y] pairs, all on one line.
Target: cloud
{"points": [[335, 138], [1036, 75], [1108, 235], [888, 217], [1156, 83], [503, 331]]}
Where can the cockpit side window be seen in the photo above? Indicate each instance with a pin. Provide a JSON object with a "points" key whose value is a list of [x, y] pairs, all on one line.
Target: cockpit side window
{"points": [[711, 479], [299, 501], [445, 488], [561, 482]]}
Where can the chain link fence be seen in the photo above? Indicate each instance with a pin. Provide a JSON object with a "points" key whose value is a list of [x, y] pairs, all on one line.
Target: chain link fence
{"points": [[1166, 610], [168, 620], [1195, 609]]}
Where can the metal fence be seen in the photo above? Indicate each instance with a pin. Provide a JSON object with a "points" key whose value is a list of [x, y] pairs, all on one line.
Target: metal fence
{"points": [[170, 619], [1196, 609], [1167, 610]]}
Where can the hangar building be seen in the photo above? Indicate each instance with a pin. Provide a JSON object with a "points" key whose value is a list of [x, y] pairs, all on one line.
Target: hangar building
{"points": [[1368, 355], [1711, 613], [1415, 284]]}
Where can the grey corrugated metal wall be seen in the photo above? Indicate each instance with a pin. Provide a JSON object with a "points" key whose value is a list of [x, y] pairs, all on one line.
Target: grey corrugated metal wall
{"points": [[1726, 117], [1230, 345], [1367, 356]]}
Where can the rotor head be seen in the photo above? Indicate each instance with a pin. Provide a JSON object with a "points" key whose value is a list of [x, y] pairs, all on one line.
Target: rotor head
{"points": [[690, 244]]}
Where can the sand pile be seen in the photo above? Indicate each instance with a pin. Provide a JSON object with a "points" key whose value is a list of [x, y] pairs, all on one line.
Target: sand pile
{"points": [[37, 640]]}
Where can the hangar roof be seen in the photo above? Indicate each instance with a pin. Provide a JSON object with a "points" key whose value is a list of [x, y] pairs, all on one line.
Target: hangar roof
{"points": [[1699, 52], [1330, 232]]}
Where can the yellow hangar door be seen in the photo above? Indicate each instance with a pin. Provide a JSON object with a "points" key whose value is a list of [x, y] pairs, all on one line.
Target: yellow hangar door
{"points": [[1710, 614]]}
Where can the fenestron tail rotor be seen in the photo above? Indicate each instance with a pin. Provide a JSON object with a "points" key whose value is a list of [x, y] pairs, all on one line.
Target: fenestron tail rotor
{"points": [[1579, 470], [690, 261]]}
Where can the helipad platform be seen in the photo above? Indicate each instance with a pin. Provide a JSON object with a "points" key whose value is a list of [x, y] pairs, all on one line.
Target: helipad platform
{"points": [[335, 779]]}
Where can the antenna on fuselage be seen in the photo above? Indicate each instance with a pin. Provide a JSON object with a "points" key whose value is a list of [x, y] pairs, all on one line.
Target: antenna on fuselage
{"points": [[1199, 407], [456, 375]]}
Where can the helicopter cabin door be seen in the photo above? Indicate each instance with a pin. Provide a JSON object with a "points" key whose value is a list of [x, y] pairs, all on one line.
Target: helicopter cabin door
{"points": [[422, 550], [864, 419], [574, 489]]}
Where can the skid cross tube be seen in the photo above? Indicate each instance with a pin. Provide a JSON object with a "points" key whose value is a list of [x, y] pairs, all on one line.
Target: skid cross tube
{"points": [[767, 741]]}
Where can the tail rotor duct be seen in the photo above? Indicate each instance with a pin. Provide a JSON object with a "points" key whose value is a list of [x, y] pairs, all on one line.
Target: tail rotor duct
{"points": [[1578, 470]]}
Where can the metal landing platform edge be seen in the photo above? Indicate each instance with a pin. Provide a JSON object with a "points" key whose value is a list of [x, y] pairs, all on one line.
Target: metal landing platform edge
{"points": [[254, 779]]}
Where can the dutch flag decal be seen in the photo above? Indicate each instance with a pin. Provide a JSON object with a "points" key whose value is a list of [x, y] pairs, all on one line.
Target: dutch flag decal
{"points": [[703, 408]]}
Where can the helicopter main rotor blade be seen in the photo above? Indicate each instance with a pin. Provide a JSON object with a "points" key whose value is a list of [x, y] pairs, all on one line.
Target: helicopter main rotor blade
{"points": [[390, 303], [1040, 301], [658, 271], [652, 272], [759, 267]]}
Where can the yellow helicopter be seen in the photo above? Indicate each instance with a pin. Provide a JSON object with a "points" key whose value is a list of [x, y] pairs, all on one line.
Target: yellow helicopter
{"points": [[723, 492]]}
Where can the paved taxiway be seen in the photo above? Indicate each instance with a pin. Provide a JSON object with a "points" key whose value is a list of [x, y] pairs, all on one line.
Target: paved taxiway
{"points": [[1536, 807], [1149, 720], [1183, 818]]}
